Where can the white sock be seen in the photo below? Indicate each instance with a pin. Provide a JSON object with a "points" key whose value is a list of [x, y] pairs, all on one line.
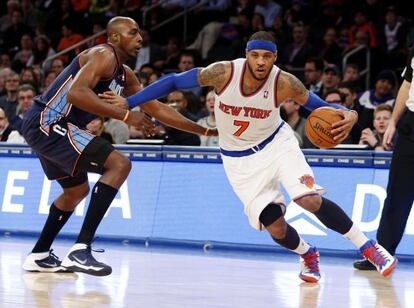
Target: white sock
{"points": [[356, 236], [302, 248]]}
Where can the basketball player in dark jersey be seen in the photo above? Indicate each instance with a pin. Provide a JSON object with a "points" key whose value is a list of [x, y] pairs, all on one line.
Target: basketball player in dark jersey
{"points": [[55, 128]]}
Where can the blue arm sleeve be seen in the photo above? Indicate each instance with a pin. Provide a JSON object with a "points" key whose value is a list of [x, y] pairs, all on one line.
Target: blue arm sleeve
{"points": [[315, 102], [164, 86]]}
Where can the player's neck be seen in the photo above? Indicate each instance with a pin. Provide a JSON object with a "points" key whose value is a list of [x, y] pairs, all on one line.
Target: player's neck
{"points": [[251, 83]]}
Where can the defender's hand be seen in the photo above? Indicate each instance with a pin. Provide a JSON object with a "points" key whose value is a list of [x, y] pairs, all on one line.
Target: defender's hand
{"points": [[114, 99], [212, 132], [141, 121], [341, 129]]}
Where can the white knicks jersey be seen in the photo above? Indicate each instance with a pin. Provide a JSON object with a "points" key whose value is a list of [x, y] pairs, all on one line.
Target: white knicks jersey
{"points": [[244, 121]]}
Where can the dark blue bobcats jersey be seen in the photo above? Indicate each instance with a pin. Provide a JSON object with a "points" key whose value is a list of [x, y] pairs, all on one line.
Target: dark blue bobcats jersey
{"points": [[55, 97]]}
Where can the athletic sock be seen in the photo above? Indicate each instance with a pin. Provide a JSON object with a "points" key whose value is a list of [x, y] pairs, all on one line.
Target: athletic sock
{"points": [[54, 223], [293, 241], [333, 217], [356, 236], [101, 199]]}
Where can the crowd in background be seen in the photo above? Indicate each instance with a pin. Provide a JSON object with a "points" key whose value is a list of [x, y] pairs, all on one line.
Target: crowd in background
{"points": [[312, 39]]}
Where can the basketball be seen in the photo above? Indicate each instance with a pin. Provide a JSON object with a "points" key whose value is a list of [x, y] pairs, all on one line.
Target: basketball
{"points": [[318, 127]]}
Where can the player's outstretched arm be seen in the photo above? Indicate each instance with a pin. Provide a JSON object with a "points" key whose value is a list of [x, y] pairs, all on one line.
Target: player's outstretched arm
{"points": [[158, 110], [213, 75]]}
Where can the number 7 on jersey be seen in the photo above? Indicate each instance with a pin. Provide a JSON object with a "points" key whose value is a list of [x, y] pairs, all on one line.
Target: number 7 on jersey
{"points": [[243, 126]]}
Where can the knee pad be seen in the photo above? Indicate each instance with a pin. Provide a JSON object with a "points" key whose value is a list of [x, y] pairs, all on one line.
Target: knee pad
{"points": [[271, 213]]}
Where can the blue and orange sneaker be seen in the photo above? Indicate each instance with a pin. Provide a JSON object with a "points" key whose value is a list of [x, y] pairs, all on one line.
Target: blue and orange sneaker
{"points": [[383, 261], [310, 266]]}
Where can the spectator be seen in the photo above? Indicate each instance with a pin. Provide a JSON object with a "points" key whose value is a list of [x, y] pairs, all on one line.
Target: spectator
{"points": [[14, 33], [295, 54], [69, 38], [206, 38], [172, 54], [96, 127], [373, 138], [57, 65], [5, 60], [330, 50], [41, 51], [186, 63], [4, 72], [313, 75], [382, 93], [394, 33], [8, 102], [25, 95], [290, 112], [173, 136], [331, 77], [25, 52], [28, 76], [144, 74], [362, 25], [6, 20], [209, 121], [269, 9], [8, 133], [350, 101], [150, 52], [352, 74], [50, 77]]}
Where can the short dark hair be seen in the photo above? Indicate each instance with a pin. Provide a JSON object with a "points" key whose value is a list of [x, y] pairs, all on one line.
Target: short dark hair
{"points": [[319, 64], [26, 87], [262, 36], [349, 85]]}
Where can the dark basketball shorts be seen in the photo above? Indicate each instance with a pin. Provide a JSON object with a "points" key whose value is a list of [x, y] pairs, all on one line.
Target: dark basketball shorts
{"points": [[65, 151]]}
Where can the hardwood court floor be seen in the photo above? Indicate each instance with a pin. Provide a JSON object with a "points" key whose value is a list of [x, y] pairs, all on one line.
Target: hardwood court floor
{"points": [[186, 278]]}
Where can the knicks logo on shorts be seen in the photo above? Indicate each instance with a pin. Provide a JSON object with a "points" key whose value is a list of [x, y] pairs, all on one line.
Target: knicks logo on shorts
{"points": [[307, 180]]}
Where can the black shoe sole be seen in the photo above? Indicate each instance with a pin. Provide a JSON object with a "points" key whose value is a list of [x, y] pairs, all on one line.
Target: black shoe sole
{"points": [[364, 266], [89, 272]]}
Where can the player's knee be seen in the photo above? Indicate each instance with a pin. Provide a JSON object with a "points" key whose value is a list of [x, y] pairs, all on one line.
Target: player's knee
{"points": [[311, 203], [75, 196], [271, 213], [122, 165]]}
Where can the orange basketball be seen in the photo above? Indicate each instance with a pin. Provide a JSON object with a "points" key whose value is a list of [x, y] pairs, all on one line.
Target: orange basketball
{"points": [[318, 127]]}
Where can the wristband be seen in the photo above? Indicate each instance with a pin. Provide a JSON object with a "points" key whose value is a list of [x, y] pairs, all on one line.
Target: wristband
{"points": [[126, 116]]}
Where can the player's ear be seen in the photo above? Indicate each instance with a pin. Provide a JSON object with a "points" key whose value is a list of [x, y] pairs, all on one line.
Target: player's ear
{"points": [[275, 56]]}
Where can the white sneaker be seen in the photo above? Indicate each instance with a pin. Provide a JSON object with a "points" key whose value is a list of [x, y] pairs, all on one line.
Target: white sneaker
{"points": [[46, 262], [310, 266], [383, 261]]}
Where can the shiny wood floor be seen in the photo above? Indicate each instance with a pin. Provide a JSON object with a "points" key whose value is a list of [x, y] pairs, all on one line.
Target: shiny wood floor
{"points": [[182, 278]]}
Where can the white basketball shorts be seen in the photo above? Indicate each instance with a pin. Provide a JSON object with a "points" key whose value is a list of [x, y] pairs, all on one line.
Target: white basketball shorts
{"points": [[255, 178]]}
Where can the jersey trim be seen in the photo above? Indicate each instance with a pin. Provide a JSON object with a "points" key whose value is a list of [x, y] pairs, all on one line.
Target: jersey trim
{"points": [[275, 88], [229, 81]]}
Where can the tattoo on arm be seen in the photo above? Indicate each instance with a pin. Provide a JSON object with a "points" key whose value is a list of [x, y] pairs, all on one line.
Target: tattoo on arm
{"points": [[288, 86], [212, 75], [296, 85]]}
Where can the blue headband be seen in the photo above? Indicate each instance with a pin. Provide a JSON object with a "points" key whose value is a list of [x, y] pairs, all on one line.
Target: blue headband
{"points": [[259, 44]]}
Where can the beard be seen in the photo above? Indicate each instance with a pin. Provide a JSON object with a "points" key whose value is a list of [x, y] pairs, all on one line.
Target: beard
{"points": [[253, 75]]}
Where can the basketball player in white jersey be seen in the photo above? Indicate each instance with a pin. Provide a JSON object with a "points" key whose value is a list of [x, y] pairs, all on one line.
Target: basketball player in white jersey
{"points": [[259, 150]]}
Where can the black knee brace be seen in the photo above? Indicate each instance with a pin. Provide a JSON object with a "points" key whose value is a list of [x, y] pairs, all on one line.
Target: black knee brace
{"points": [[271, 213]]}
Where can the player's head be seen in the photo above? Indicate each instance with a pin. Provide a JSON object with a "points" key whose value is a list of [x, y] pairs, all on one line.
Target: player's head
{"points": [[261, 53], [124, 34]]}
